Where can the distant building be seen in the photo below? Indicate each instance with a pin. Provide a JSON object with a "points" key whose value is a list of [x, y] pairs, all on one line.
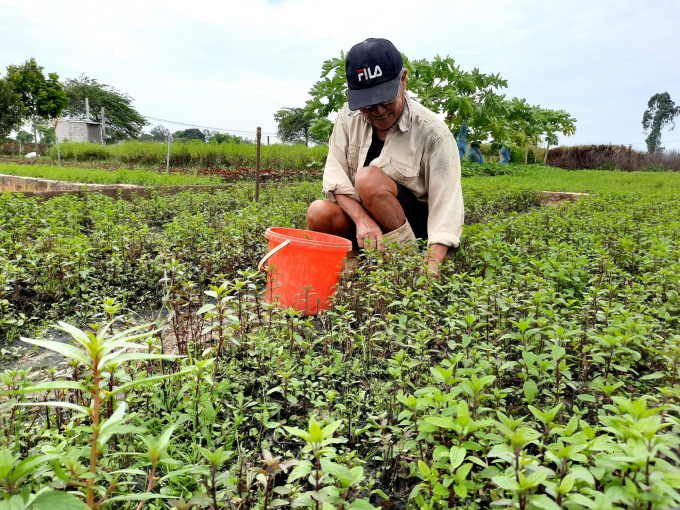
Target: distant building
{"points": [[78, 131]]}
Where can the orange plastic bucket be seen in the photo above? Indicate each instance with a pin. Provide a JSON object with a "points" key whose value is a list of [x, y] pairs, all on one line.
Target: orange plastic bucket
{"points": [[304, 266]]}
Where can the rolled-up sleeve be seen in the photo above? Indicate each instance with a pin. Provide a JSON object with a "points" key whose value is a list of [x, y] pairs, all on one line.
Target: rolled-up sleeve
{"points": [[441, 164], [336, 179]]}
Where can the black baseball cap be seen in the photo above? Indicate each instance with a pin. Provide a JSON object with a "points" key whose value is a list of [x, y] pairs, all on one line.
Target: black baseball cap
{"points": [[373, 69]]}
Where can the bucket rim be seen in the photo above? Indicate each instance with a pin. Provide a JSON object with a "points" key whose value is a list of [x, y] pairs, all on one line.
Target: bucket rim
{"points": [[339, 242]]}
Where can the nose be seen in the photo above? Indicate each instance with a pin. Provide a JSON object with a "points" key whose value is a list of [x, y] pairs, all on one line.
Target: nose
{"points": [[379, 110]]}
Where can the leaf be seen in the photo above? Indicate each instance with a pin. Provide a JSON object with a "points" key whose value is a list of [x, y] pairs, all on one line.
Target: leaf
{"points": [[457, 456], [535, 478], [205, 308], [300, 471], [567, 484], [148, 380], [360, 504], [67, 405], [330, 429], [655, 375], [138, 356], [46, 386], [424, 469], [58, 500], [315, 433], [543, 501], [460, 490], [530, 390], [64, 349], [443, 422], [144, 496]]}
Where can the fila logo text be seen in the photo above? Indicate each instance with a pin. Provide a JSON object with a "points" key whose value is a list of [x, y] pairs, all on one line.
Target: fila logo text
{"points": [[366, 73]]}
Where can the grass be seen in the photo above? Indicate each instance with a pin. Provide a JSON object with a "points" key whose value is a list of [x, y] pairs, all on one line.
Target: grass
{"points": [[539, 178], [587, 181], [99, 176]]}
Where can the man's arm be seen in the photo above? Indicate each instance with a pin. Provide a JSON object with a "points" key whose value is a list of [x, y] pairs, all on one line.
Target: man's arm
{"points": [[445, 199], [366, 226], [336, 179]]}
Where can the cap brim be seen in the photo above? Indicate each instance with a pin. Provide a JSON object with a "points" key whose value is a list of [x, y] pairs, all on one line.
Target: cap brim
{"points": [[375, 95]]}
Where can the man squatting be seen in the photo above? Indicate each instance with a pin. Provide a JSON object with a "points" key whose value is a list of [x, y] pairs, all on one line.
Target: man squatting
{"points": [[393, 169]]}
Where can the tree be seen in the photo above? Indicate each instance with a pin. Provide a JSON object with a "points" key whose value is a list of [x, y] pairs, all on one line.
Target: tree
{"points": [[44, 98], [12, 109], [439, 85], [470, 99], [159, 133], [45, 131], [24, 136], [227, 138], [294, 126], [661, 111], [445, 88], [122, 120], [328, 95], [552, 123], [189, 134]]}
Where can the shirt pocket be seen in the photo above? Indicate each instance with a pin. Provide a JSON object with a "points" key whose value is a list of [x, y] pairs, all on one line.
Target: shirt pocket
{"points": [[403, 172], [353, 150]]}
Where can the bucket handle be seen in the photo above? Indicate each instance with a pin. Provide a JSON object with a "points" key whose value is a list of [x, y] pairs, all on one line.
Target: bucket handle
{"points": [[266, 257]]}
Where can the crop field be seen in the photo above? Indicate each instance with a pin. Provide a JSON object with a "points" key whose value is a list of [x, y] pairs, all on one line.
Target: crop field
{"points": [[540, 371]]}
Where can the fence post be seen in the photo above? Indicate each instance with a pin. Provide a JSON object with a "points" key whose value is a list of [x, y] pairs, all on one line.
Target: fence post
{"points": [[257, 166], [167, 164]]}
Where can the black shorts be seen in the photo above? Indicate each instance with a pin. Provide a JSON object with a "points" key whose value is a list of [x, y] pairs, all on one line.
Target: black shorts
{"points": [[416, 213]]}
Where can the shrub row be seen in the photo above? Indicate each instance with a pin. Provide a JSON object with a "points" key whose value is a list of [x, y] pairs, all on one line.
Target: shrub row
{"points": [[612, 157], [195, 153]]}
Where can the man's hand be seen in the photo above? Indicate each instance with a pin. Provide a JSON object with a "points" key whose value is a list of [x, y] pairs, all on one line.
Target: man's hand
{"points": [[434, 258], [369, 234], [367, 228]]}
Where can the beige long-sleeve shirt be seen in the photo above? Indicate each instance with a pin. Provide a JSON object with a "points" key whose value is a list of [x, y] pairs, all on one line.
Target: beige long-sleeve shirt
{"points": [[420, 153]]}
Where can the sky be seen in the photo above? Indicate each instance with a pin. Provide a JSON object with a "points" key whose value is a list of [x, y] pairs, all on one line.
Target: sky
{"points": [[232, 64]]}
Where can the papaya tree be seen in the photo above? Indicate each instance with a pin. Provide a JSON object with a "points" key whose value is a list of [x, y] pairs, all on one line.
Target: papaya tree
{"points": [[552, 123], [439, 85]]}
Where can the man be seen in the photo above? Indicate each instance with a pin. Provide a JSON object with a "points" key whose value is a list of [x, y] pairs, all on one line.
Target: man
{"points": [[393, 170]]}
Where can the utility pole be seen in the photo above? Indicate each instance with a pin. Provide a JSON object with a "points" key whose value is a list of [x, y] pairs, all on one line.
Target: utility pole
{"points": [[257, 166], [103, 128], [87, 109], [167, 165]]}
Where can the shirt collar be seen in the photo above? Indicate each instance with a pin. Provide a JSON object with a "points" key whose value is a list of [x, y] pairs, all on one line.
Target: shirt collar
{"points": [[404, 121]]}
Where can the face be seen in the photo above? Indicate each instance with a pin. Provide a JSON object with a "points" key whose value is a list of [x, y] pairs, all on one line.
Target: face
{"points": [[384, 115]]}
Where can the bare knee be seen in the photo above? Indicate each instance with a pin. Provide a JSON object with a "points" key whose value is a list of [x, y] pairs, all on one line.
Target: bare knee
{"points": [[371, 181], [320, 216]]}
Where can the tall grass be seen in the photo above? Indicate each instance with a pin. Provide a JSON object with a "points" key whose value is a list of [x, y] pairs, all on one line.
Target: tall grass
{"points": [[195, 153], [98, 176]]}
